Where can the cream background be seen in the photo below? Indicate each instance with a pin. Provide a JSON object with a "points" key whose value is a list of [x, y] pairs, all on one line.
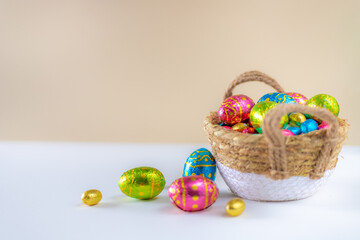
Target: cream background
{"points": [[150, 71]]}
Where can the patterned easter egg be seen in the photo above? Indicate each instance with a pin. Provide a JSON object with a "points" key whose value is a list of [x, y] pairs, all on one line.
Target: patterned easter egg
{"points": [[296, 119], [200, 162], [193, 193], [258, 113], [298, 97], [277, 98], [142, 182], [235, 109], [325, 101], [309, 126], [295, 130]]}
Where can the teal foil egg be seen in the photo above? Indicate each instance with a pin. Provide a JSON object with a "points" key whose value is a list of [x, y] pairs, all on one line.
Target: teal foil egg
{"points": [[200, 162], [295, 130], [308, 126], [277, 98]]}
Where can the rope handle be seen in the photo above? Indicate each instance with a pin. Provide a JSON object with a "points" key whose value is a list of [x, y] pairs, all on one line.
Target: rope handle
{"points": [[252, 76], [276, 140]]}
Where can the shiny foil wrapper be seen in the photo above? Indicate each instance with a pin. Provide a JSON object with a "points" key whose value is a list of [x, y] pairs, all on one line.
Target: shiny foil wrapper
{"points": [[277, 97], [309, 126], [193, 193], [200, 162], [325, 101], [142, 182], [296, 119], [258, 113], [298, 97], [235, 109]]}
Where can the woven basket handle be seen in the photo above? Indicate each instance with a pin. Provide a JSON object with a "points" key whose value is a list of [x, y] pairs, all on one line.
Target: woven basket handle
{"points": [[276, 140], [252, 76]]}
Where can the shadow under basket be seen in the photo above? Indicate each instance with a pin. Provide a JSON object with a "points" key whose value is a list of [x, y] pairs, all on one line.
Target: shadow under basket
{"points": [[271, 166]]}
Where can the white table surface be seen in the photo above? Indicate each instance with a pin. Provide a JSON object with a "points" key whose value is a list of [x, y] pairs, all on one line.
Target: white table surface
{"points": [[41, 185]]}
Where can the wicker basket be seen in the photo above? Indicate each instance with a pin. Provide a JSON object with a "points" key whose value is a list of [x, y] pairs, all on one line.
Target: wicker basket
{"points": [[270, 166]]}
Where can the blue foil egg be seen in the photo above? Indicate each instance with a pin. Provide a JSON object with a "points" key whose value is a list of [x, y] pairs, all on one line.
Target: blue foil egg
{"points": [[308, 126], [278, 98], [200, 162], [295, 130]]}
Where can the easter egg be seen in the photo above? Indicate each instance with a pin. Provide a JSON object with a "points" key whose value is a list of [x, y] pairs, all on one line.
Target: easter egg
{"points": [[286, 132], [239, 127], [277, 98], [142, 182], [235, 207], [308, 126], [91, 197], [323, 125], [235, 109], [295, 130], [193, 193], [258, 113], [200, 162], [227, 127], [296, 119], [298, 97], [249, 130], [324, 101]]}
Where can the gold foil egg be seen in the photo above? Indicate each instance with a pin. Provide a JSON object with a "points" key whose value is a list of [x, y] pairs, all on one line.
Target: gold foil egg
{"points": [[91, 197], [296, 119], [235, 207], [239, 127]]}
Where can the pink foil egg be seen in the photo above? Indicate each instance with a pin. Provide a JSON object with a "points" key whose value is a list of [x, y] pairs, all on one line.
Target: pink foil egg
{"points": [[298, 97], [193, 193], [286, 132], [323, 125], [235, 109], [227, 127]]}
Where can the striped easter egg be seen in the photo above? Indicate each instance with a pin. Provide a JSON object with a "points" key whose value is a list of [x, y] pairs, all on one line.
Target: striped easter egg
{"points": [[193, 193], [142, 182], [200, 162], [235, 109]]}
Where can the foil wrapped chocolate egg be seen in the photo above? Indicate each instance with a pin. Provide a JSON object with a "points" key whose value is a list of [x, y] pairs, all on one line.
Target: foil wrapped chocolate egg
{"points": [[298, 97], [286, 132], [239, 127], [277, 98], [235, 207], [91, 197], [258, 113], [324, 101], [193, 193], [142, 182], [249, 130], [235, 109], [309, 126], [296, 119], [323, 125], [295, 130], [200, 162]]}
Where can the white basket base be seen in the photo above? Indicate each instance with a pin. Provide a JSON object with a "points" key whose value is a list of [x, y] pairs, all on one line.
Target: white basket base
{"points": [[260, 188]]}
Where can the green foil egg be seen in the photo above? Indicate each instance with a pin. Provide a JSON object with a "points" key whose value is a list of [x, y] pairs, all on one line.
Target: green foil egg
{"points": [[259, 111], [324, 101], [142, 182]]}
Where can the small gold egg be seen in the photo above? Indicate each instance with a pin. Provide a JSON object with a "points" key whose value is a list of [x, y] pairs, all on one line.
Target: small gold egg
{"points": [[91, 197], [235, 207]]}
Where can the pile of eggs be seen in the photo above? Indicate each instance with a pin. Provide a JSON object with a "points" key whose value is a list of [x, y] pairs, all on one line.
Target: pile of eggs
{"points": [[241, 114]]}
